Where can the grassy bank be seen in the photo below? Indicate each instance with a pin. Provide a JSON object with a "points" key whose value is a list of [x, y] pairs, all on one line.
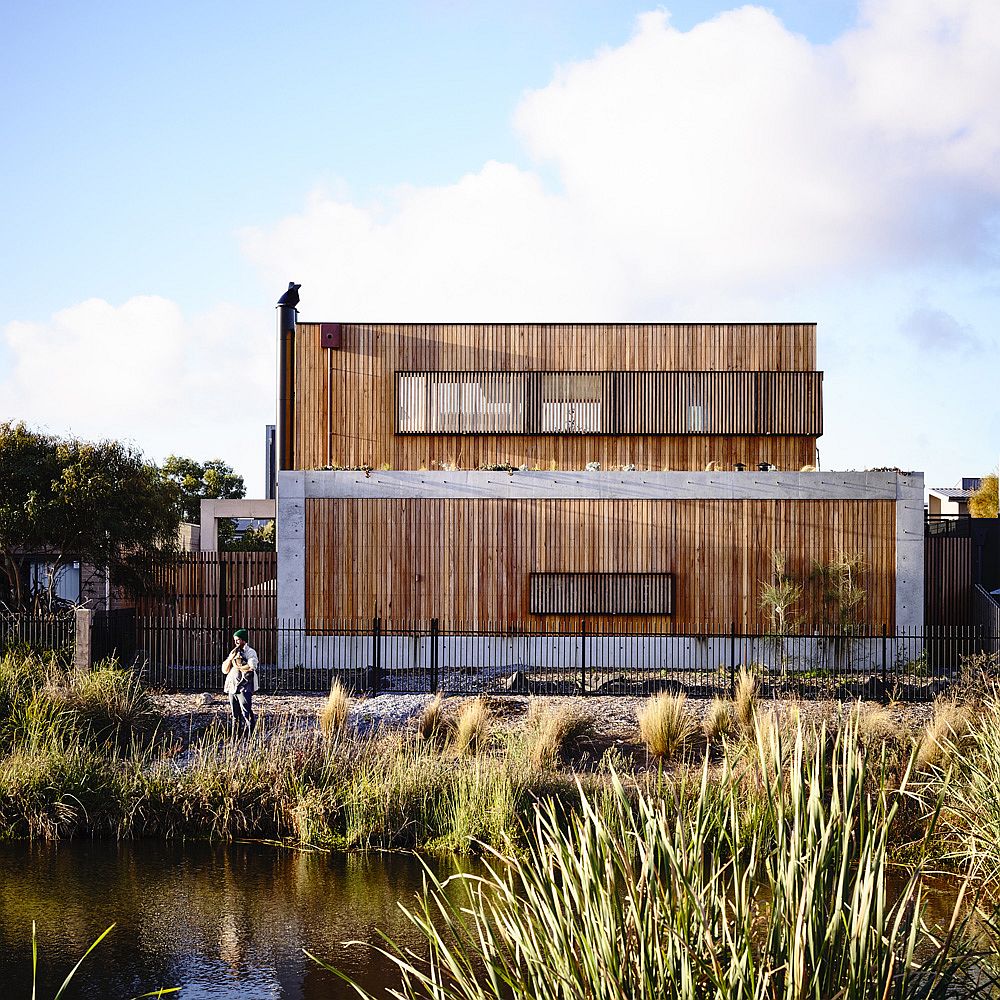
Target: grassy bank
{"points": [[88, 755]]}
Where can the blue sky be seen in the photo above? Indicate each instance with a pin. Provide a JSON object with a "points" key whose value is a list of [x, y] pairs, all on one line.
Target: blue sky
{"points": [[167, 169]]}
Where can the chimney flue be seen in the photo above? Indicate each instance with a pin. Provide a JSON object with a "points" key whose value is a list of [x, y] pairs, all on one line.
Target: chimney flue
{"points": [[285, 423]]}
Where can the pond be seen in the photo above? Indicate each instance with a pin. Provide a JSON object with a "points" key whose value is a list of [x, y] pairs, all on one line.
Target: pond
{"points": [[217, 921]]}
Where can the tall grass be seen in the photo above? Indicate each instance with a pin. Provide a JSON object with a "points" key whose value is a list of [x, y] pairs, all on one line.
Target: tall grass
{"points": [[745, 696], [162, 992], [675, 896], [471, 727], [431, 722], [333, 714], [552, 731], [718, 721], [965, 776], [665, 725]]}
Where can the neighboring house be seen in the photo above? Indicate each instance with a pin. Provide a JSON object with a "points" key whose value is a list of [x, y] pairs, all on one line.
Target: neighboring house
{"points": [[951, 501], [189, 537], [635, 475], [76, 582]]}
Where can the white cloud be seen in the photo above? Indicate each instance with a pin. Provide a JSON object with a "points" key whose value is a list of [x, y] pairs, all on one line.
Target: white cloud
{"points": [[937, 330], [200, 386], [697, 172], [735, 171]]}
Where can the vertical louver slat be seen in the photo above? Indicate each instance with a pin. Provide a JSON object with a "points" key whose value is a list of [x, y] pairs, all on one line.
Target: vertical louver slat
{"points": [[608, 403], [601, 593]]}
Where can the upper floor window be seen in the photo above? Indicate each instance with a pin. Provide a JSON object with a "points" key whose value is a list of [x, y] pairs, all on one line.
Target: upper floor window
{"points": [[571, 403], [671, 402]]}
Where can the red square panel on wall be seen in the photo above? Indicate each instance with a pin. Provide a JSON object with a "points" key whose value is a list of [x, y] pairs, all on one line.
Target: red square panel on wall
{"points": [[329, 335]]}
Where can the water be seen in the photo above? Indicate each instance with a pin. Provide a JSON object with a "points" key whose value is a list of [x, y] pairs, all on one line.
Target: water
{"points": [[217, 921]]}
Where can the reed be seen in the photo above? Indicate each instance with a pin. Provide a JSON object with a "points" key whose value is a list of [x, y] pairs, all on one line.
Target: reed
{"points": [[111, 702], [797, 907], [965, 779]]}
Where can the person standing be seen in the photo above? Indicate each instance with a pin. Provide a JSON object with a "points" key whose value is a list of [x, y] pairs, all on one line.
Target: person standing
{"points": [[240, 668]]}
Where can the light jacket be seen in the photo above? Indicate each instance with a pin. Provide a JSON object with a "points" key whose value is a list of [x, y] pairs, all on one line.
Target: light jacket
{"points": [[234, 674]]}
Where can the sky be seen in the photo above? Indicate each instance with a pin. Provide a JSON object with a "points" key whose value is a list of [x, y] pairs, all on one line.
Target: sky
{"points": [[167, 169]]}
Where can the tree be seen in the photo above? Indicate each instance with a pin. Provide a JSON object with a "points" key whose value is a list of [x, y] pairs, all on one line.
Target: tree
{"points": [[983, 503], [66, 499], [252, 540], [197, 481]]}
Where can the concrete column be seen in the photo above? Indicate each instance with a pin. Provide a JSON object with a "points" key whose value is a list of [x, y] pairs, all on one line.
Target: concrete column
{"points": [[910, 551], [291, 541], [83, 650]]}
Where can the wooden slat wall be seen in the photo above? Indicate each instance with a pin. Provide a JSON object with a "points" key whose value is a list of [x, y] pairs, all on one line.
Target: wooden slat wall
{"points": [[469, 560], [345, 398], [212, 584]]}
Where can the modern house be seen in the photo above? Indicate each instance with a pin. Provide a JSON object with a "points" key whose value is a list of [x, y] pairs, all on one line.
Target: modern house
{"points": [[636, 476], [952, 501]]}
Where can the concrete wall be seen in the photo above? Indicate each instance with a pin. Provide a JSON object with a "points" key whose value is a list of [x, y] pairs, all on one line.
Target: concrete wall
{"points": [[213, 510], [906, 490]]}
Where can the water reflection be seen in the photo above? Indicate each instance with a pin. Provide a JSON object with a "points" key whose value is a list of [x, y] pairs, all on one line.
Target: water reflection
{"points": [[218, 921]]}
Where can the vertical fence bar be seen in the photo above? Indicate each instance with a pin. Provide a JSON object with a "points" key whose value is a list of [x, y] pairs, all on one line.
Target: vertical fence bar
{"points": [[434, 655], [583, 656], [885, 663], [376, 653], [732, 659]]}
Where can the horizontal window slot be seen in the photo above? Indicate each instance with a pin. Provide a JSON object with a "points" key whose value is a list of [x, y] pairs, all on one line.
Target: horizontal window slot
{"points": [[602, 594]]}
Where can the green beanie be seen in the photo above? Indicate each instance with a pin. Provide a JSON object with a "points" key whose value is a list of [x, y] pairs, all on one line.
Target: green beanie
{"points": [[241, 633]]}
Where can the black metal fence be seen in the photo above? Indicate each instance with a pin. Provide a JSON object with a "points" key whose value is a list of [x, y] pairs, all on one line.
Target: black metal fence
{"points": [[384, 657], [986, 609], [376, 656], [38, 633]]}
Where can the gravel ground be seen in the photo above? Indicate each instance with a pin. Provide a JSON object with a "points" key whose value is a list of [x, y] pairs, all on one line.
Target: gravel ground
{"points": [[612, 718]]}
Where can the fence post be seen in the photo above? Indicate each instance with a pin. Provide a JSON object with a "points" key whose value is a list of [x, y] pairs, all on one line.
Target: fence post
{"points": [[376, 653], [434, 655], [83, 649], [583, 656], [732, 659], [885, 660]]}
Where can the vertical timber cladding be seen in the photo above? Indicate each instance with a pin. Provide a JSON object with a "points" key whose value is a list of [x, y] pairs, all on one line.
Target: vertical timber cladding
{"points": [[346, 408], [470, 560]]}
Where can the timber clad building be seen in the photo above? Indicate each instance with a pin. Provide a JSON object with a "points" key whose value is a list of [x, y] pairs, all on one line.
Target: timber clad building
{"points": [[496, 474]]}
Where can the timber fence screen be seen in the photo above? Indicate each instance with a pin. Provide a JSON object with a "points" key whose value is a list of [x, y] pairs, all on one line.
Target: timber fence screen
{"points": [[381, 657]]}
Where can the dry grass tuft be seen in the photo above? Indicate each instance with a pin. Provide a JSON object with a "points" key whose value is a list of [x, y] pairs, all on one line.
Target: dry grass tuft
{"points": [[745, 698], [664, 724], [875, 726], [431, 723], [718, 721], [471, 727], [552, 731], [333, 714], [948, 726]]}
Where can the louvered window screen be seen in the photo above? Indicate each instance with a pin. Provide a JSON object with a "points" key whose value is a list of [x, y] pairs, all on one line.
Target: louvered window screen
{"points": [[749, 403], [602, 594]]}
